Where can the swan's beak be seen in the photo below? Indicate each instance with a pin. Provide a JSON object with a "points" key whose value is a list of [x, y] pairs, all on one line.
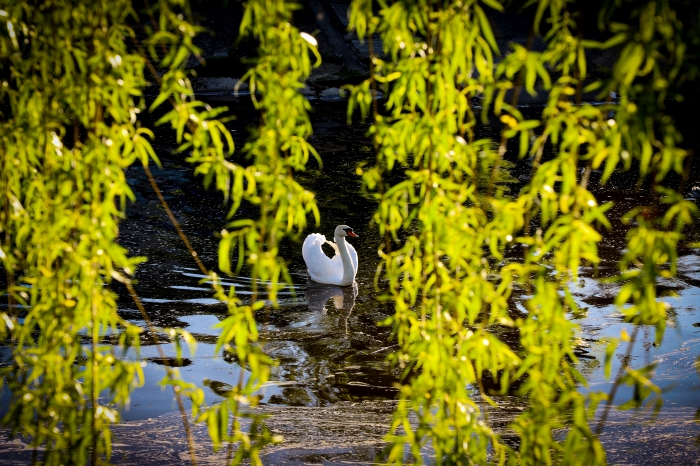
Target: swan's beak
{"points": [[352, 233]]}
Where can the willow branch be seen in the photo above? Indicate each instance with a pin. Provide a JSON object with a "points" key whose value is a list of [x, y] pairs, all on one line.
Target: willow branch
{"points": [[514, 101], [169, 370], [174, 221], [618, 380]]}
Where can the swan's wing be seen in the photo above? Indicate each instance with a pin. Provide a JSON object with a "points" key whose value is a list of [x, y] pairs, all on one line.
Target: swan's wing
{"points": [[335, 247], [321, 268]]}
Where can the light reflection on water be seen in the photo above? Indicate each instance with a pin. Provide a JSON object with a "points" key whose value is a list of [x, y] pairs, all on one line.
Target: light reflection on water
{"points": [[211, 372], [675, 357]]}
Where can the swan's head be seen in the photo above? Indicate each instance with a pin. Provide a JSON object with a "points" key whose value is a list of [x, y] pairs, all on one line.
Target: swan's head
{"points": [[344, 230]]}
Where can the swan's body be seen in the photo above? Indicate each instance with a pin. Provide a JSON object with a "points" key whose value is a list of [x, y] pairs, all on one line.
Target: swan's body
{"points": [[341, 269]]}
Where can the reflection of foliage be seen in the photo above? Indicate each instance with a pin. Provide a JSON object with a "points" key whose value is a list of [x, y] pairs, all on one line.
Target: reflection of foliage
{"points": [[449, 278], [171, 362], [220, 388]]}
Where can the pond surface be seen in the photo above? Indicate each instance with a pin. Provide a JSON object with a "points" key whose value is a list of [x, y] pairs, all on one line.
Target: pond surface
{"points": [[330, 349], [325, 338]]}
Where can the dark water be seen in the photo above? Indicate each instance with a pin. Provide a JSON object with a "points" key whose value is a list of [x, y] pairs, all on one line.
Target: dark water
{"points": [[325, 338], [327, 341], [330, 348]]}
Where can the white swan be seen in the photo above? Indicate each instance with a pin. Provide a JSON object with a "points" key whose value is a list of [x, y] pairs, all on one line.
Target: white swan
{"points": [[340, 270]]}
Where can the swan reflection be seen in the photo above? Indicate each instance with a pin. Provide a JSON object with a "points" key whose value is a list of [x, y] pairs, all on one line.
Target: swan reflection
{"points": [[317, 296]]}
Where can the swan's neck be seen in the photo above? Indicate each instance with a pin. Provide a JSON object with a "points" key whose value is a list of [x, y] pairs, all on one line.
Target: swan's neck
{"points": [[348, 269]]}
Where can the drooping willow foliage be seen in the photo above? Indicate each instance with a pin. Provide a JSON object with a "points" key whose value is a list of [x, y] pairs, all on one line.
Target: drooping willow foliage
{"points": [[450, 275], [70, 92], [278, 148], [72, 81], [73, 78]]}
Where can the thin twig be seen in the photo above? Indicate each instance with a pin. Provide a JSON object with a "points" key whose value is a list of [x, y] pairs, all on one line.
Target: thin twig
{"points": [[373, 82], [159, 81], [9, 268], [168, 369], [521, 73], [579, 76], [375, 114], [616, 385], [193, 253], [514, 101], [686, 171], [176, 224], [154, 23], [94, 393], [174, 221]]}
